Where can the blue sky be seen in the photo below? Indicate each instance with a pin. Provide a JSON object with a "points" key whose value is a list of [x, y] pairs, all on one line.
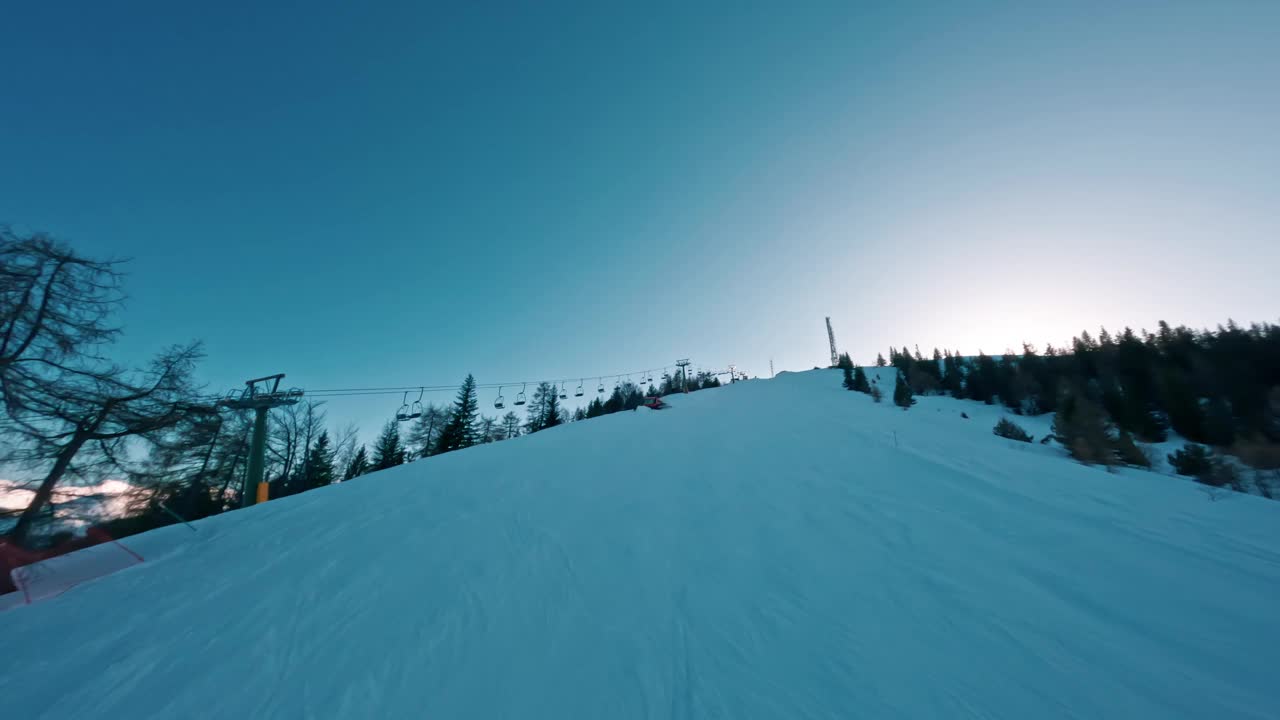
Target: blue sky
{"points": [[404, 194]]}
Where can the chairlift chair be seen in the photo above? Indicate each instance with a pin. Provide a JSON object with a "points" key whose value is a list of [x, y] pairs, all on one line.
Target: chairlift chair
{"points": [[578, 392], [415, 408], [520, 395], [499, 402], [563, 396], [402, 413], [600, 389]]}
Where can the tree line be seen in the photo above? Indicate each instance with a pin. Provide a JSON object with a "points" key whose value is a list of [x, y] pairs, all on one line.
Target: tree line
{"points": [[440, 429], [1218, 388]]}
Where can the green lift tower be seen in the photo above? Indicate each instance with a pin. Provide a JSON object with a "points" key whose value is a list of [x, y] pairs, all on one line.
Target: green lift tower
{"points": [[259, 395]]}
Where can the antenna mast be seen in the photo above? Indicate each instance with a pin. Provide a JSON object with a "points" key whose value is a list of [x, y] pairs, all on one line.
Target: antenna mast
{"points": [[831, 336]]}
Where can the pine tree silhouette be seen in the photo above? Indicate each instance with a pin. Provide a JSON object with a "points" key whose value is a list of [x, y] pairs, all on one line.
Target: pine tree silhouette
{"points": [[388, 451], [460, 432], [551, 415], [320, 463], [860, 383], [902, 395]]}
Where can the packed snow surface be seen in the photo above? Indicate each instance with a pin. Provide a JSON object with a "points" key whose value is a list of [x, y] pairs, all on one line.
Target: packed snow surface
{"points": [[773, 549]]}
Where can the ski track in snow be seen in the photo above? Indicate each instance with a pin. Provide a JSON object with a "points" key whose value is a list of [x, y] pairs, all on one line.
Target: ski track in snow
{"points": [[773, 549]]}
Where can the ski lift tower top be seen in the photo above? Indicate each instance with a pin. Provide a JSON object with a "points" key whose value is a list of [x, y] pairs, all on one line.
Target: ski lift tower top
{"points": [[262, 392], [684, 373]]}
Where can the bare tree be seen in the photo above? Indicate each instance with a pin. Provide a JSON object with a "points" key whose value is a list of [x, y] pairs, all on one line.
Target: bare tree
{"points": [[510, 425], [193, 466], [295, 429], [292, 429], [55, 308], [344, 446], [101, 410], [489, 429]]}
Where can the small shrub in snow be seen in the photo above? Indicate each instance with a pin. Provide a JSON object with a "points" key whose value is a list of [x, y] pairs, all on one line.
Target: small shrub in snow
{"points": [[1128, 452], [1083, 428], [1224, 473], [1193, 461], [1006, 428], [876, 394]]}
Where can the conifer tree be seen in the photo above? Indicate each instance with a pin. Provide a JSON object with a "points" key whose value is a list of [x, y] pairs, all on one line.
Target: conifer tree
{"points": [[902, 395], [1007, 428], [1128, 452], [536, 413], [1193, 460], [880, 362], [848, 374], [388, 451], [552, 418], [358, 466], [953, 375], [460, 432], [1082, 427], [320, 462], [860, 383]]}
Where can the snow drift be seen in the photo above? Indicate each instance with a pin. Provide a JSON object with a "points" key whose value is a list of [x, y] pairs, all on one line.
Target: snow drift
{"points": [[771, 549]]}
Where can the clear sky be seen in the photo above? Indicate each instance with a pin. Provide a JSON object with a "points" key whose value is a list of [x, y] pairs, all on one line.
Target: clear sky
{"points": [[402, 194]]}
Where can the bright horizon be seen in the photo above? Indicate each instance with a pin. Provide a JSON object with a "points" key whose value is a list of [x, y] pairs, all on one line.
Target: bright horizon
{"points": [[401, 196]]}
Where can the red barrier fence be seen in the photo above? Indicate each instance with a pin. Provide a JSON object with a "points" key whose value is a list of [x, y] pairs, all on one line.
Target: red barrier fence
{"points": [[41, 574]]}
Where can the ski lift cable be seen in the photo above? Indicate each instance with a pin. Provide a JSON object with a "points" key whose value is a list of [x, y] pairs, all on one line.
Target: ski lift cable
{"points": [[327, 393], [396, 389]]}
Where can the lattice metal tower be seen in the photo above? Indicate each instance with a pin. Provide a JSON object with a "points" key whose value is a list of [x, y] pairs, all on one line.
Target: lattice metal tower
{"points": [[831, 336]]}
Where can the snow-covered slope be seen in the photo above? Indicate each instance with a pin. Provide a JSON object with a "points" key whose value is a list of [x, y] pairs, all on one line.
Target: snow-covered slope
{"points": [[772, 549]]}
